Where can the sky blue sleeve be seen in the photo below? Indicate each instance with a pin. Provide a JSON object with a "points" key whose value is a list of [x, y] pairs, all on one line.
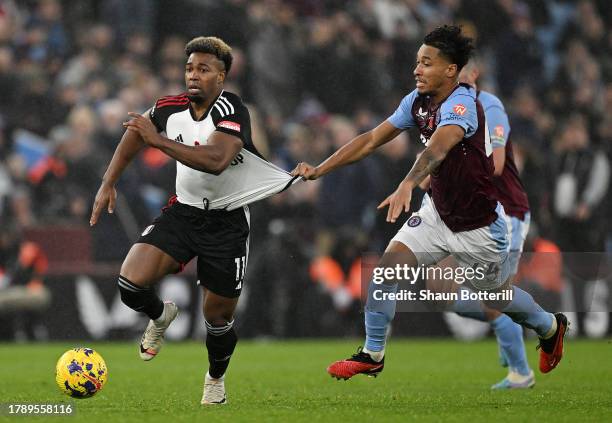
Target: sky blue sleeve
{"points": [[460, 110], [402, 117], [499, 128]]}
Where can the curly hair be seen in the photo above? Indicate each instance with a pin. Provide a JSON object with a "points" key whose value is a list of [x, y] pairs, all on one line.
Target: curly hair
{"points": [[211, 45], [451, 43]]}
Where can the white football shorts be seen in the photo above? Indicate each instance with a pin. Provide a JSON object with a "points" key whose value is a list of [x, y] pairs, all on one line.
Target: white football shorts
{"points": [[487, 248]]}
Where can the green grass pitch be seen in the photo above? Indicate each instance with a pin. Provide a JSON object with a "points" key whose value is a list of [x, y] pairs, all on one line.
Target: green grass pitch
{"points": [[423, 380]]}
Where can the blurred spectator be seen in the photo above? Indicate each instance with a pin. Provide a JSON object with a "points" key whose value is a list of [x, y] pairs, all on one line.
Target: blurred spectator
{"points": [[23, 295], [518, 53], [589, 26], [129, 17], [528, 120], [489, 20], [342, 198], [337, 278], [112, 114], [45, 40], [393, 17], [9, 87], [34, 107], [579, 78], [582, 176], [273, 72], [333, 80]]}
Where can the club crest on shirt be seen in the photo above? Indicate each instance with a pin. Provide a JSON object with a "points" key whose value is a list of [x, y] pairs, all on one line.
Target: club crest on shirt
{"points": [[229, 125], [459, 109], [414, 221]]}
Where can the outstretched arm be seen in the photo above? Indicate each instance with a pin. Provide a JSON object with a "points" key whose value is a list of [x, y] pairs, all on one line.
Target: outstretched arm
{"points": [[131, 143], [355, 150]]}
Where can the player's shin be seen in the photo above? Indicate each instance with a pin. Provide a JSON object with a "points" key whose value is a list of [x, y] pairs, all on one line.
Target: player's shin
{"points": [[525, 311], [509, 334], [379, 312], [510, 339], [140, 299], [221, 340]]}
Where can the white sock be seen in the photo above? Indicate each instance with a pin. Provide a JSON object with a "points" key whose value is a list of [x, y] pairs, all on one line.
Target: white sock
{"points": [[553, 328], [208, 376], [376, 355]]}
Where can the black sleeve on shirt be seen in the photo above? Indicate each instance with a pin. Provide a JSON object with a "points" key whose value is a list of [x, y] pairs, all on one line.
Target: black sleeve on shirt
{"points": [[237, 123], [232, 117], [164, 107]]}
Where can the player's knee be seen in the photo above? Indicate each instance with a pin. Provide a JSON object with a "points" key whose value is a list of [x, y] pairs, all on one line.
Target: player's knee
{"points": [[219, 313], [496, 305], [398, 254], [142, 276], [144, 266], [131, 274], [440, 286], [502, 301], [491, 314]]}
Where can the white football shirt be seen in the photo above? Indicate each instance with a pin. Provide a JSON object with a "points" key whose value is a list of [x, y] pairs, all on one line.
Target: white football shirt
{"points": [[249, 177]]}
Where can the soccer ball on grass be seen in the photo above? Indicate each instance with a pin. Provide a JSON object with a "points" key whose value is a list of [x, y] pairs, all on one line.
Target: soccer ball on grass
{"points": [[80, 372]]}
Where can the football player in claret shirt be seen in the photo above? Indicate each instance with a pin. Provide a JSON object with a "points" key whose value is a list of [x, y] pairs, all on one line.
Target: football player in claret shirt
{"points": [[460, 216], [219, 171]]}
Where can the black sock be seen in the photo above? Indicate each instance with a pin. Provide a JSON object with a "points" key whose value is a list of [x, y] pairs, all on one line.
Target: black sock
{"points": [[140, 299], [220, 342]]}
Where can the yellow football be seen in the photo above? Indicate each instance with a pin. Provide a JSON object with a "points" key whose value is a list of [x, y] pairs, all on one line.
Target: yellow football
{"points": [[81, 372]]}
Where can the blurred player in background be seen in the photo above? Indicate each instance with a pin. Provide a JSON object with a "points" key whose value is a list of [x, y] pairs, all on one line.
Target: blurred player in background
{"points": [[512, 196], [459, 217], [219, 171]]}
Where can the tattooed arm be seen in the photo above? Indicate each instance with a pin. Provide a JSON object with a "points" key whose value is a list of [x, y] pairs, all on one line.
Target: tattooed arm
{"points": [[441, 142]]}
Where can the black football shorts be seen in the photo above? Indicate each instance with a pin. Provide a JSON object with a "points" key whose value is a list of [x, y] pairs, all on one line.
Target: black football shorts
{"points": [[218, 238]]}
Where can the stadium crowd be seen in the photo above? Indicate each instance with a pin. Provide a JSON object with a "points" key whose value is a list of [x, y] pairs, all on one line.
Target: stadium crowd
{"points": [[314, 73]]}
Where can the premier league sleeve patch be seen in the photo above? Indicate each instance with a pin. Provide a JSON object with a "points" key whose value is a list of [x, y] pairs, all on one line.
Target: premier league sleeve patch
{"points": [[229, 125], [499, 131], [414, 221]]}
